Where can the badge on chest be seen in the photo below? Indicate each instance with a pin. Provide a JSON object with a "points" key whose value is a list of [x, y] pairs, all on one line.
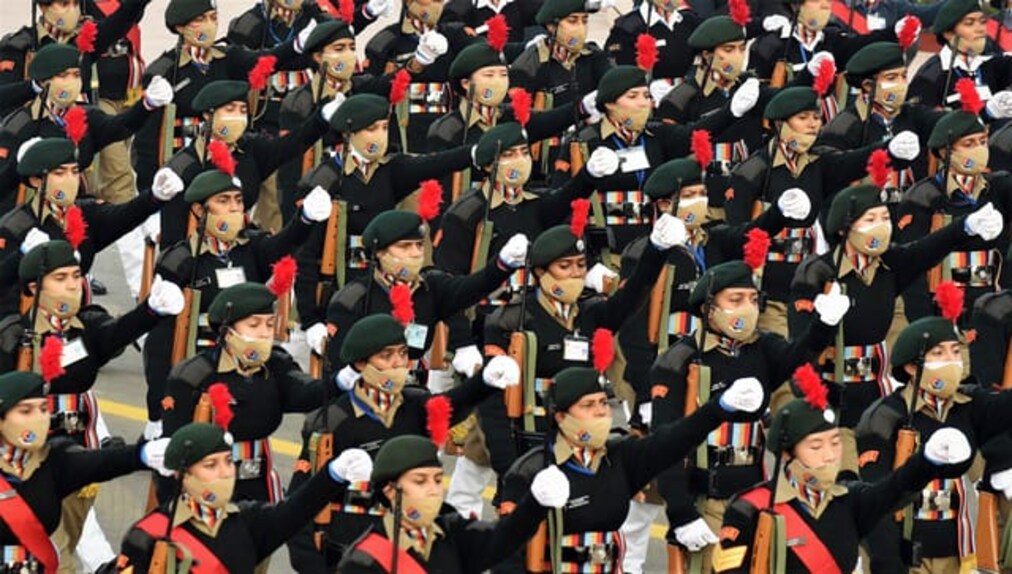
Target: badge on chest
{"points": [[416, 335], [633, 159], [229, 276], [576, 349], [73, 352]]}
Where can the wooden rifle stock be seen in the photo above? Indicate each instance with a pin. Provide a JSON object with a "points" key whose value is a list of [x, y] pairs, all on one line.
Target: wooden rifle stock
{"points": [[22, 195], [440, 339], [181, 332], [322, 445], [456, 185], [540, 99], [328, 259], [26, 357], [575, 157], [676, 560], [656, 310], [778, 78], [514, 394], [762, 544], [1006, 374], [159, 558], [536, 550], [148, 269], [987, 534], [202, 412], [284, 311], [692, 389], [906, 444]]}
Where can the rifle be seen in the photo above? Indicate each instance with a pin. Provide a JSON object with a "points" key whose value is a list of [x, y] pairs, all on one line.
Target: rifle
{"points": [[148, 269], [778, 78], [168, 135], [987, 535], [185, 327], [660, 303], [948, 75], [26, 352], [519, 351], [757, 204], [396, 542], [1006, 374], [321, 447], [770, 524], [871, 104], [483, 232]]}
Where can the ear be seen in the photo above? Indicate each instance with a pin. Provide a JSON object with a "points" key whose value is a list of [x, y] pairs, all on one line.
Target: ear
{"points": [[911, 370], [318, 58], [559, 417], [360, 365], [866, 85], [179, 30], [539, 271], [35, 181], [33, 288], [390, 492]]}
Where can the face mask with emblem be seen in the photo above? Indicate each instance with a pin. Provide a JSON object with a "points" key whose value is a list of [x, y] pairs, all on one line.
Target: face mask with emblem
{"points": [[251, 352], [62, 191], [490, 91], [729, 66], [562, 290], [421, 511], [972, 161], [738, 324], [941, 378], [428, 14], [572, 38], [225, 227], [404, 269], [230, 128], [370, 145], [586, 433], [631, 119], [812, 17], [871, 239], [891, 95], [797, 142], [514, 172], [389, 381], [213, 494], [64, 91], [692, 211], [62, 306], [29, 433], [201, 35], [63, 18], [974, 47], [340, 65], [821, 479]]}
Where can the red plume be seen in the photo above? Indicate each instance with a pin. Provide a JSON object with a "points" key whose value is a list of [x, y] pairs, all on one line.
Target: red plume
{"points": [[949, 298], [86, 37], [221, 402], [824, 78], [75, 228], [810, 384], [76, 125], [968, 96], [603, 348], [878, 167], [429, 199], [702, 148], [908, 33], [521, 100], [740, 12], [646, 52], [261, 72], [757, 245], [282, 275], [403, 307], [347, 11], [498, 32], [399, 87], [581, 215], [221, 157], [51, 359], [438, 412]]}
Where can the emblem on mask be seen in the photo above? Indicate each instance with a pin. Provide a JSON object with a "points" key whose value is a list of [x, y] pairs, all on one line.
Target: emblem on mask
{"points": [[28, 436]]}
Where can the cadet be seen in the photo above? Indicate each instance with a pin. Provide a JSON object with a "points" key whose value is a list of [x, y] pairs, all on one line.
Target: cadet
{"points": [[383, 402], [990, 323], [209, 528], [670, 22], [930, 348], [408, 476], [823, 520]]}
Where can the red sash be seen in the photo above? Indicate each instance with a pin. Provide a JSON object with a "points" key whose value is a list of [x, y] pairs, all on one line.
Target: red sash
{"points": [[108, 7], [993, 27], [857, 22], [381, 550], [21, 519], [329, 8], [810, 550], [204, 561]]}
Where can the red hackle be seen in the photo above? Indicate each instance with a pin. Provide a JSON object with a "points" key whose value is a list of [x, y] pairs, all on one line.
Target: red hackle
{"points": [[949, 297], [603, 349], [908, 32], [757, 246], [282, 276], [262, 72], [522, 101], [399, 87], [76, 124], [347, 11], [969, 98], [810, 384], [221, 402], [75, 228], [402, 307], [878, 167], [498, 32], [221, 157], [740, 12], [824, 78], [51, 359], [86, 37], [646, 52], [429, 199], [581, 215], [702, 148], [438, 412]]}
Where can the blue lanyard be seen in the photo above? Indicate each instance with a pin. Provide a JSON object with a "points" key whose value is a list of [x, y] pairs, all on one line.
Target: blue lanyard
{"points": [[641, 174], [571, 464], [366, 408], [958, 198], [699, 254], [270, 27]]}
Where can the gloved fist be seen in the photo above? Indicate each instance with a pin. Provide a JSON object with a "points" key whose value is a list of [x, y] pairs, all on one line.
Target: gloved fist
{"points": [[986, 222], [159, 93], [316, 206], [905, 146], [744, 395], [431, 46], [377, 8], [352, 465], [603, 162], [303, 37], [659, 89], [33, 239], [153, 456], [695, 535], [668, 231], [514, 254], [153, 430], [550, 487], [467, 360], [166, 185], [794, 204], [588, 104], [831, 306], [947, 446], [23, 148], [165, 298], [330, 108], [777, 23], [346, 378], [745, 97], [501, 372], [903, 21], [316, 337], [1002, 482], [816, 62], [1000, 105], [597, 275]]}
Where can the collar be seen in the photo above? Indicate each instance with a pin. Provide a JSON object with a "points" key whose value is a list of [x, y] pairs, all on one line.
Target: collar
{"points": [[487, 116], [499, 194], [795, 162], [961, 62], [715, 82], [627, 137], [372, 402], [496, 7], [47, 323], [45, 29], [419, 539], [330, 87], [878, 112], [354, 161], [21, 463], [652, 16], [563, 313], [228, 364], [609, 129], [970, 185], [813, 500], [414, 26], [809, 40], [931, 405], [586, 458], [206, 55], [863, 266], [727, 345], [204, 519]]}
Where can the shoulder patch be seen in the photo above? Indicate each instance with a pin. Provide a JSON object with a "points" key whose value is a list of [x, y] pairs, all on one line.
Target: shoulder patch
{"points": [[193, 371]]}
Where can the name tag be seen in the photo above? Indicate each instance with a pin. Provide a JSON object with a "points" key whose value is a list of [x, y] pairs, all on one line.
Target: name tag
{"points": [[415, 335], [876, 22], [576, 349], [73, 352], [662, 43], [633, 159], [229, 276]]}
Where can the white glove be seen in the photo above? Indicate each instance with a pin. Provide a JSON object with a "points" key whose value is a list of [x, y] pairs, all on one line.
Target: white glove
{"points": [[695, 535], [816, 62], [596, 277], [26, 146], [440, 380], [316, 337], [159, 93], [316, 206], [377, 8], [659, 89], [1003, 481], [166, 298], [745, 97], [589, 105], [501, 372], [352, 465], [346, 378], [303, 37], [152, 228], [330, 108], [777, 23], [431, 45], [603, 162], [646, 413], [902, 21], [166, 185], [535, 41], [34, 238], [468, 360], [794, 204], [905, 146], [986, 222], [153, 430], [550, 487], [153, 456], [514, 253], [1000, 105], [947, 446], [831, 306], [744, 395], [604, 4], [668, 231]]}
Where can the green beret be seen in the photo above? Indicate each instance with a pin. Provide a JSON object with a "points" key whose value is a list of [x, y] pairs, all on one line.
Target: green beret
{"points": [[192, 442], [401, 454], [370, 335], [951, 12], [240, 301], [874, 58], [390, 227], [17, 386], [617, 81], [53, 59], [45, 258], [326, 33], [210, 183], [472, 58], [554, 243], [929, 331], [790, 101], [359, 112], [219, 93], [672, 176], [717, 278], [953, 126], [796, 420], [46, 154], [554, 10], [501, 138], [849, 205], [572, 383], [714, 31], [180, 12]]}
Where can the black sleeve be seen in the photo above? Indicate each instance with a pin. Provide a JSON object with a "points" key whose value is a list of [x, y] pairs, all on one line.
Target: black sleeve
{"points": [[846, 166], [410, 170], [912, 260], [676, 138], [556, 205], [272, 151], [110, 221], [106, 129], [78, 467], [733, 553], [545, 124], [465, 397], [991, 412], [454, 244], [484, 544], [273, 247], [872, 501], [16, 94], [117, 24], [300, 393], [108, 338], [614, 312], [182, 400], [455, 294]]}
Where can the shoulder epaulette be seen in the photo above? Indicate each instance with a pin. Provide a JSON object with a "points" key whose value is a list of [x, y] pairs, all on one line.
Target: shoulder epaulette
{"points": [[11, 331], [18, 41], [994, 306], [193, 371], [244, 29], [882, 417], [752, 169], [813, 271], [924, 193]]}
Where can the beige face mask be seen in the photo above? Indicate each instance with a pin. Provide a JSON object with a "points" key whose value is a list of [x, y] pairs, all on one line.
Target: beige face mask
{"points": [[371, 146], [821, 479], [64, 92], [972, 161], [490, 91], [63, 192], [586, 433], [796, 141], [728, 66], [692, 211], [202, 35], [214, 494], [404, 269], [388, 380], [738, 324], [64, 19], [63, 306], [871, 239], [942, 378], [666, 5], [973, 47], [230, 128], [421, 511], [634, 120], [340, 65], [891, 95], [514, 172], [572, 38], [562, 290], [27, 434], [428, 14], [225, 227], [813, 17], [251, 352]]}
